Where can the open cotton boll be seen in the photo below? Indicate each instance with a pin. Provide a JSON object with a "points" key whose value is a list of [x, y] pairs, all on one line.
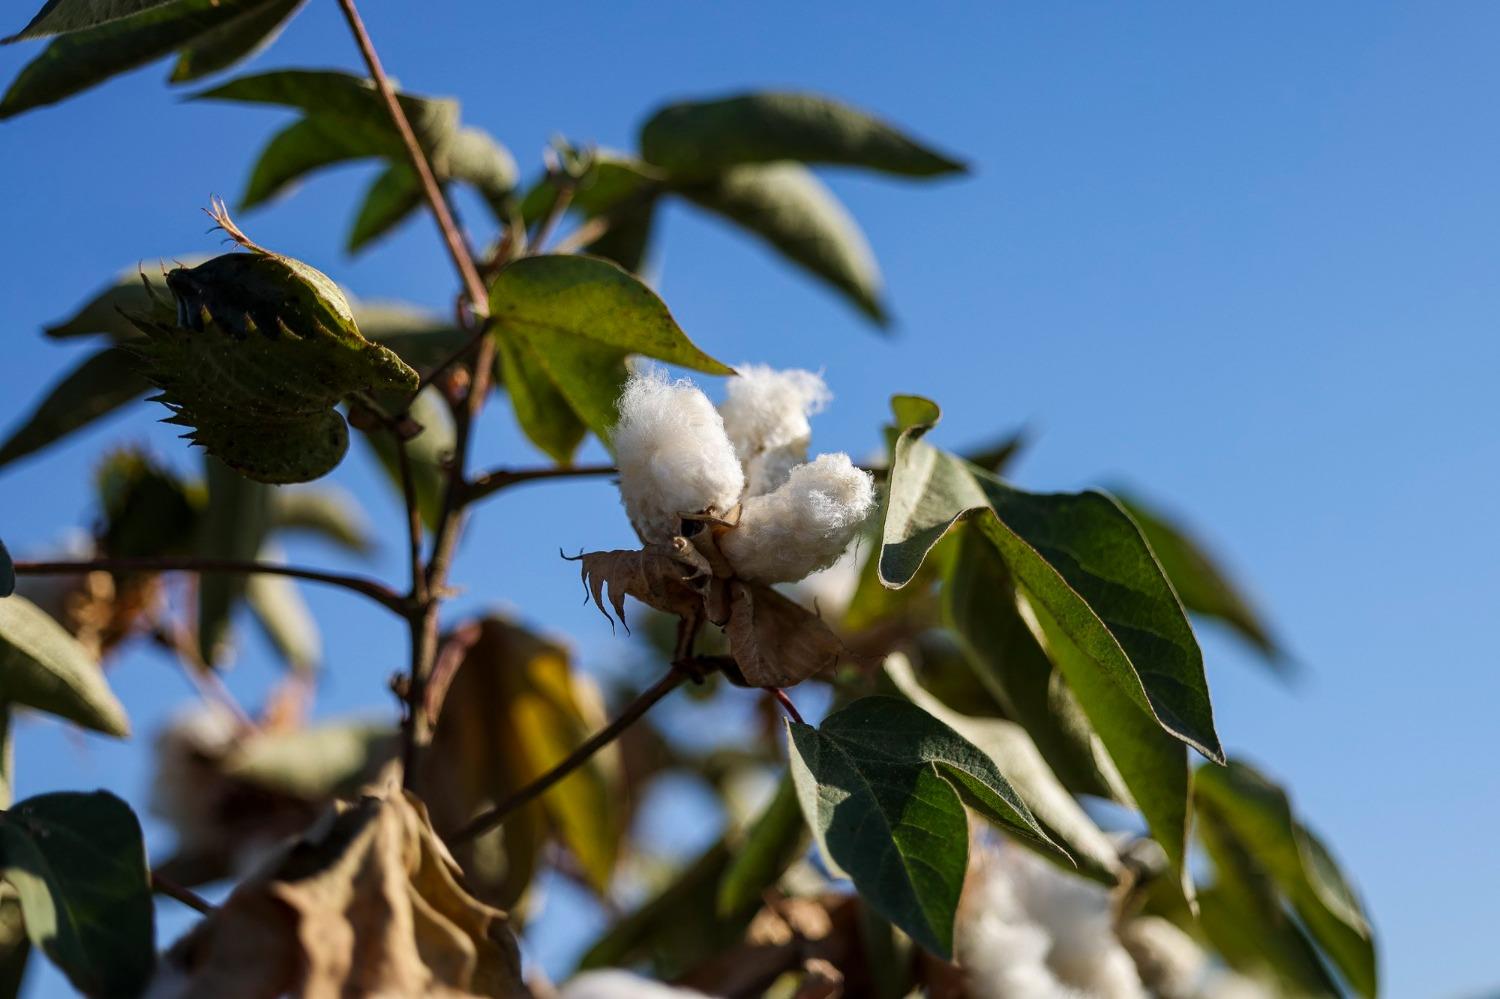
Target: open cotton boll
{"points": [[765, 414], [613, 984], [802, 526], [673, 455]]}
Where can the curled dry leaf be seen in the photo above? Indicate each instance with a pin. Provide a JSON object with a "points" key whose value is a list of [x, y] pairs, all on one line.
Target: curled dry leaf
{"points": [[654, 578], [368, 902], [775, 641]]}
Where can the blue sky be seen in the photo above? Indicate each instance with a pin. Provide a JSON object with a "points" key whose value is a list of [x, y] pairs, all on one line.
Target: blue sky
{"points": [[1242, 258]]}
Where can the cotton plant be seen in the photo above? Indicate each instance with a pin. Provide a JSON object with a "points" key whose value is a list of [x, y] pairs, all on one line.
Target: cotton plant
{"points": [[727, 503]]}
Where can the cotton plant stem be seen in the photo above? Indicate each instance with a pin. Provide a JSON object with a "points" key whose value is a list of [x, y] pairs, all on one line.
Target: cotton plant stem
{"points": [[501, 478], [371, 588], [188, 897], [488, 820]]}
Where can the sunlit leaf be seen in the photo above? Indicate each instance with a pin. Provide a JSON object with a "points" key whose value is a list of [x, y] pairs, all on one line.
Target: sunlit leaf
{"points": [[1260, 816], [316, 762], [882, 783], [78, 61], [101, 384], [698, 138], [790, 209], [78, 865], [569, 322], [43, 667]]}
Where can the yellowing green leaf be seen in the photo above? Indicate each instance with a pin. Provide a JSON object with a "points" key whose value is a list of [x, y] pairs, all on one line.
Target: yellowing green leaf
{"points": [[43, 667]]}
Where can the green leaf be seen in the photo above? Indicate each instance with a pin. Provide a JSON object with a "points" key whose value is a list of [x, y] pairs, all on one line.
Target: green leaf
{"points": [[105, 381], [78, 61], [309, 144], [261, 349], [613, 184], [776, 838], [15, 948], [329, 513], [234, 41], [350, 98], [429, 452], [392, 198], [61, 16], [565, 325], [1015, 755], [980, 605], [1101, 605], [699, 138], [788, 208], [880, 783], [1259, 814], [78, 865], [44, 667], [421, 339], [1201, 583], [473, 156], [234, 525], [7, 572], [277, 606], [313, 763], [135, 290]]}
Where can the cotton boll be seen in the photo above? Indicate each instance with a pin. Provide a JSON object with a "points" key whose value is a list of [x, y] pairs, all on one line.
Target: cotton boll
{"points": [[673, 454], [804, 525], [765, 415], [1168, 960], [613, 984]]}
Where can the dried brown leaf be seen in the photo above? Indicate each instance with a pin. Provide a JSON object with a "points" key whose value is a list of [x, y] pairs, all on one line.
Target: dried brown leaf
{"points": [[368, 902], [654, 578], [775, 641]]}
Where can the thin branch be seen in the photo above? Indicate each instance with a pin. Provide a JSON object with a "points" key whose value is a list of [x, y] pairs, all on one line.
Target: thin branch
{"points": [[501, 478], [488, 820], [453, 238], [413, 523], [554, 215], [782, 699], [188, 897], [442, 366], [374, 589]]}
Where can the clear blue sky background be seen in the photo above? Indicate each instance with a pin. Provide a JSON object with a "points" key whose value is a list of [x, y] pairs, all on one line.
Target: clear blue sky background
{"points": [[1243, 257]]}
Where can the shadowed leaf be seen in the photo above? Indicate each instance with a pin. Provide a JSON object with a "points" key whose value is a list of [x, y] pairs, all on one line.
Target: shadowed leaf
{"points": [[428, 452], [776, 838], [105, 381], [235, 521], [78, 865], [882, 783], [60, 16], [236, 40], [276, 604], [7, 572], [698, 138], [44, 667]]}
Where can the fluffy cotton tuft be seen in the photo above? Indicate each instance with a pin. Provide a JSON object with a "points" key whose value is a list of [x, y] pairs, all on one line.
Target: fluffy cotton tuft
{"points": [[802, 526], [765, 414], [673, 454], [613, 984], [1028, 931]]}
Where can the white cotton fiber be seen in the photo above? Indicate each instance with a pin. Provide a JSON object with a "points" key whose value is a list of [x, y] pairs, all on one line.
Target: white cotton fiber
{"points": [[1026, 930], [765, 414], [612, 984], [673, 454], [804, 525]]}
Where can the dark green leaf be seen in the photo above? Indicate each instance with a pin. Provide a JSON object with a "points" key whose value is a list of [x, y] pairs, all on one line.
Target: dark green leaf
{"points": [[429, 452], [392, 198], [44, 667], [1202, 585], [310, 144], [1260, 816], [980, 605], [78, 865], [234, 41], [78, 61], [105, 381], [349, 98], [15, 948], [776, 838], [1107, 615], [543, 412], [421, 339], [1015, 755], [104, 313], [260, 350], [787, 207], [61, 16], [331, 514], [570, 321], [234, 525], [699, 138], [614, 185], [880, 783], [277, 606], [148, 510], [7, 572]]}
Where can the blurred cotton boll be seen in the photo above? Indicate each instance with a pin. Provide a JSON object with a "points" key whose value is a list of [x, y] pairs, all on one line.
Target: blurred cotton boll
{"points": [[804, 525], [673, 454], [765, 414], [1027, 930], [612, 984]]}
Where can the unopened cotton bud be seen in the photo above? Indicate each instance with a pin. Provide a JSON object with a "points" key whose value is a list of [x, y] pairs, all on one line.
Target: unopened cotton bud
{"points": [[802, 526], [765, 414], [673, 454]]}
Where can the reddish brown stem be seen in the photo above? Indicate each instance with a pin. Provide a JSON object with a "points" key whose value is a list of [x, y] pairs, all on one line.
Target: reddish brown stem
{"points": [[501, 478], [188, 897]]}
